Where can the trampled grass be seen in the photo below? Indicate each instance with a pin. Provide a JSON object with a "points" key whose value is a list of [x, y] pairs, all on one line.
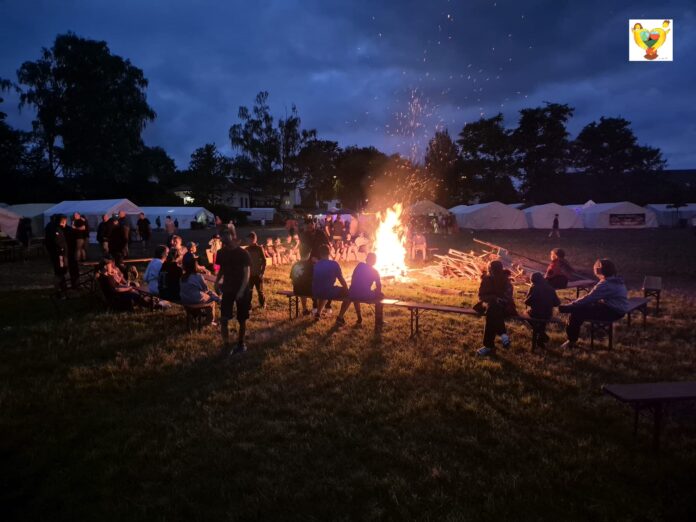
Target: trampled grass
{"points": [[129, 417]]}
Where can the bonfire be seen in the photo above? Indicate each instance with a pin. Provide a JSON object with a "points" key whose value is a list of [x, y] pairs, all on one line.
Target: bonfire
{"points": [[390, 243]]}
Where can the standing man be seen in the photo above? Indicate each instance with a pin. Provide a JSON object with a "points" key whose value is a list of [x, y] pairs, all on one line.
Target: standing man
{"points": [[158, 222], [117, 243], [103, 232], [234, 273], [144, 229], [79, 226], [257, 269], [169, 227], [57, 247], [555, 231]]}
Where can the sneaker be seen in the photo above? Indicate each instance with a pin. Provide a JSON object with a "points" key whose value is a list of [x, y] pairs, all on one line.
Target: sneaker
{"points": [[505, 338], [340, 321], [568, 345], [484, 351], [240, 348]]}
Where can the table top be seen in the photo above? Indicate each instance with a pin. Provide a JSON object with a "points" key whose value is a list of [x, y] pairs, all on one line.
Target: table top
{"points": [[652, 391], [580, 283]]}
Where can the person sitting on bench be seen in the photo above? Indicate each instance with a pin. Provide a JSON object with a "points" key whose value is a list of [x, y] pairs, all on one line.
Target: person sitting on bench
{"points": [[326, 272], [364, 276], [541, 300], [152, 272], [119, 294], [607, 301], [301, 276], [559, 270], [170, 277], [496, 292], [194, 290]]}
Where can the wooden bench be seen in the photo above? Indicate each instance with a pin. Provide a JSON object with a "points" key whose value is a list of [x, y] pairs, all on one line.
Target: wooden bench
{"points": [[415, 309], [294, 302], [656, 397], [635, 304], [652, 287], [196, 314]]}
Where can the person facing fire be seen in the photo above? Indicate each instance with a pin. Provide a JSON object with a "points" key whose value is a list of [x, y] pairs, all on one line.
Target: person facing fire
{"points": [[496, 292], [364, 277], [326, 272]]}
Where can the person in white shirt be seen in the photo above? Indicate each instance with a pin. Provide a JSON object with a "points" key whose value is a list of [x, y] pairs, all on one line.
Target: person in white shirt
{"points": [[152, 272]]}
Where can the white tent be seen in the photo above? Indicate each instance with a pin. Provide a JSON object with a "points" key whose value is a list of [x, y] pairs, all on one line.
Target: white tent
{"points": [[258, 214], [35, 212], [493, 215], [622, 214], [184, 215], [668, 216], [518, 206], [93, 210], [578, 208], [426, 208], [541, 216], [8, 222]]}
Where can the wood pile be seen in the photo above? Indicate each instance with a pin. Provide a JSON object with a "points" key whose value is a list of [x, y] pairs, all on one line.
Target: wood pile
{"points": [[470, 265]]}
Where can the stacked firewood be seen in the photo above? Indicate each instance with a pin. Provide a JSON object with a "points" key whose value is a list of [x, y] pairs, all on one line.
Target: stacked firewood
{"points": [[471, 265]]}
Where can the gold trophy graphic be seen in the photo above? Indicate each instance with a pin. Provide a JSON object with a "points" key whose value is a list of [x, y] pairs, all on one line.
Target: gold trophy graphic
{"points": [[650, 40]]}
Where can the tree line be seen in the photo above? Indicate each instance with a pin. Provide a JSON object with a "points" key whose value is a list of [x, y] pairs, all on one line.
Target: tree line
{"points": [[91, 108]]}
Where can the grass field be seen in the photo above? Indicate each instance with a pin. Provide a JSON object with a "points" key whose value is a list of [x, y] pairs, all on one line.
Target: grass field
{"points": [[128, 417]]}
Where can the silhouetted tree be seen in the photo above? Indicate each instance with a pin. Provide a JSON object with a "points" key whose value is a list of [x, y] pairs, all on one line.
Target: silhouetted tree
{"points": [[443, 164], [207, 175], [90, 111], [488, 164], [542, 151], [316, 164]]}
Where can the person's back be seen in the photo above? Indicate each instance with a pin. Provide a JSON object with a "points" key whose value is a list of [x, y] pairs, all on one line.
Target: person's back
{"points": [[193, 289], [364, 277], [170, 281], [541, 298], [301, 275], [151, 275], [611, 291], [325, 274]]}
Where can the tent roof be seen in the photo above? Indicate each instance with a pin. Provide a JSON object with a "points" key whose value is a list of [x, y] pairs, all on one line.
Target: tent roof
{"points": [[603, 207], [667, 207], [30, 209], [545, 206], [93, 206], [466, 209], [6, 212], [181, 211], [425, 207]]}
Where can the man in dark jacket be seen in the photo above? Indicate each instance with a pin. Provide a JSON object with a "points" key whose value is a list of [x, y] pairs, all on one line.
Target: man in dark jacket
{"points": [[496, 292], [257, 268], [57, 247]]}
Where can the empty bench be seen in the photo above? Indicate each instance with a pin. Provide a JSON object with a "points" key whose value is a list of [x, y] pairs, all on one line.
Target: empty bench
{"points": [[654, 396]]}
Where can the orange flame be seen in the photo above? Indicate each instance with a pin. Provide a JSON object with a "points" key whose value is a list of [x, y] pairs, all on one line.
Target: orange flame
{"points": [[390, 243]]}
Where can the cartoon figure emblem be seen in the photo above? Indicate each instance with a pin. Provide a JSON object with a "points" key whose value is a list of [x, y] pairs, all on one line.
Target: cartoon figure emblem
{"points": [[650, 40]]}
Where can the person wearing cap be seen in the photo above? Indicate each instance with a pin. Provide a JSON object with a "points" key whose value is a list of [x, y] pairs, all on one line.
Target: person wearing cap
{"points": [[257, 268], [233, 281], [192, 248]]}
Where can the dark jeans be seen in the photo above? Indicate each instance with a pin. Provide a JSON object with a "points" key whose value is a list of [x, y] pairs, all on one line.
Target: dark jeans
{"points": [[256, 281], [495, 324], [538, 329], [589, 312]]}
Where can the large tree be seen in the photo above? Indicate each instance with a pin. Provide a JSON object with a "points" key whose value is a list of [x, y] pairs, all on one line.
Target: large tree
{"points": [[487, 160], [543, 150], [207, 175], [616, 166], [357, 169], [443, 164], [316, 164], [90, 111]]}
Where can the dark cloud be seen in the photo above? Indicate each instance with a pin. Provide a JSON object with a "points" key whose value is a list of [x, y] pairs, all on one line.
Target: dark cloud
{"points": [[386, 73]]}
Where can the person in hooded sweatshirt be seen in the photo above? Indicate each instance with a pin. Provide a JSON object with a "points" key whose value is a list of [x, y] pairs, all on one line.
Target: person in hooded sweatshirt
{"points": [[497, 294], [541, 300], [607, 301]]}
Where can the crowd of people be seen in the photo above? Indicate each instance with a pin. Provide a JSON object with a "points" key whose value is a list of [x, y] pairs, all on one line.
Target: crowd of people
{"points": [[177, 273], [606, 301]]}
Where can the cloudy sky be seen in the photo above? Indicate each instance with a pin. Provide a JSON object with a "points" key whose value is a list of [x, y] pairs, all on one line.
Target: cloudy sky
{"points": [[372, 72]]}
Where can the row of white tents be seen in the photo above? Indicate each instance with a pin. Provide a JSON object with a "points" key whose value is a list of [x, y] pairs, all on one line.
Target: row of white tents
{"points": [[93, 210], [622, 214]]}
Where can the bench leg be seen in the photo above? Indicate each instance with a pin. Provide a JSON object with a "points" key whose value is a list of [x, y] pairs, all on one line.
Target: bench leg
{"points": [[657, 303], [592, 327], [611, 335], [417, 317], [297, 307], [412, 312], [628, 318], [644, 311]]}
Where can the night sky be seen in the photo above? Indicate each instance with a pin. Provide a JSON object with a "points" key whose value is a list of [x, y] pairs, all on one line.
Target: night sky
{"points": [[383, 73]]}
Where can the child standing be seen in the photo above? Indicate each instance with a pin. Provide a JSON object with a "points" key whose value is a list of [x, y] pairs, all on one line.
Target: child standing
{"points": [[541, 300]]}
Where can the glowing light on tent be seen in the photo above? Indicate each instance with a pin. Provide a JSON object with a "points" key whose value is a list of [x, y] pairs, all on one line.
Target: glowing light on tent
{"points": [[390, 243]]}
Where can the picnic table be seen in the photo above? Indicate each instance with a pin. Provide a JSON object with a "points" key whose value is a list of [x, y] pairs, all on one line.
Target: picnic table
{"points": [[655, 396], [415, 309], [581, 285]]}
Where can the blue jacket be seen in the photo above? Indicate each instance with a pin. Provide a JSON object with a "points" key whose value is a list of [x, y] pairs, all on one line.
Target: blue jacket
{"points": [[611, 291]]}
